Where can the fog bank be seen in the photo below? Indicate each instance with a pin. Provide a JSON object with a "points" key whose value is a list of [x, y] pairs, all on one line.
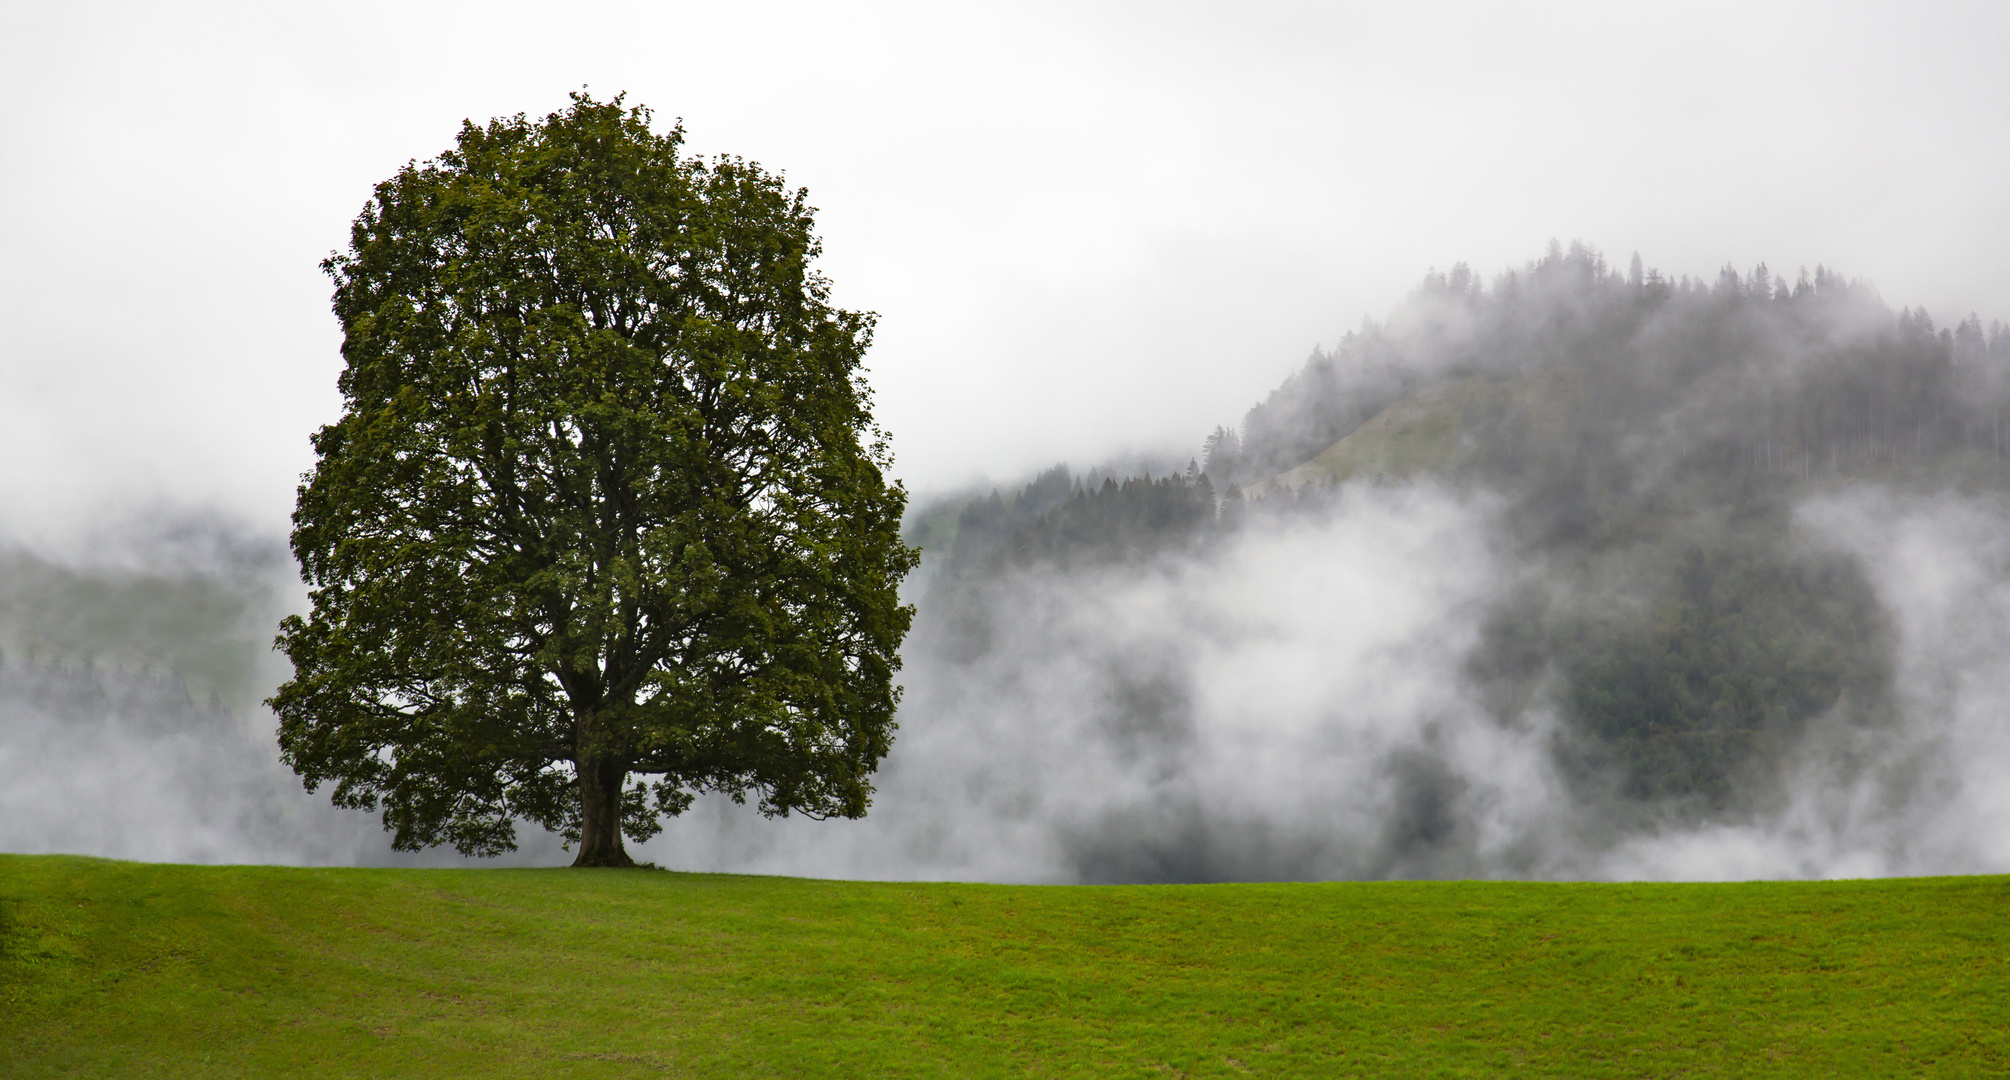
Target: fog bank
{"points": [[1294, 703], [1297, 707], [133, 657]]}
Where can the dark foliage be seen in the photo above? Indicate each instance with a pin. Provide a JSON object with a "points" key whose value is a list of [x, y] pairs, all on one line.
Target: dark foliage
{"points": [[1741, 649]]}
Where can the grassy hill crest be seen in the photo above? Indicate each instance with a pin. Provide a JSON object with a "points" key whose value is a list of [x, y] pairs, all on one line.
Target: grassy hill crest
{"points": [[121, 969]]}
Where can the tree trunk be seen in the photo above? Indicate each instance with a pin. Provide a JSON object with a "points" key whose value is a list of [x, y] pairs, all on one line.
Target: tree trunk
{"points": [[600, 782]]}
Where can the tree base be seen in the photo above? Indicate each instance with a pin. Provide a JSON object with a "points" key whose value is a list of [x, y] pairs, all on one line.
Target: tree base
{"points": [[612, 860]]}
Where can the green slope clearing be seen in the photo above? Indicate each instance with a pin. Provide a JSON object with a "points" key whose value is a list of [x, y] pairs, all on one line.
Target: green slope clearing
{"points": [[129, 970], [1428, 433]]}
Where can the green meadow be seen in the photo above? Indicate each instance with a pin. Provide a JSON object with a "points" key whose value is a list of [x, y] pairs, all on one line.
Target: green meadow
{"points": [[133, 970]]}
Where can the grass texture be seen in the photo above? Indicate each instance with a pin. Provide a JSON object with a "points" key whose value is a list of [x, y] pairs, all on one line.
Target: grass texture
{"points": [[134, 970]]}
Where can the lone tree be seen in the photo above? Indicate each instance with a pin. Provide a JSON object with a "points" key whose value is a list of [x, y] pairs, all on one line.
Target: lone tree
{"points": [[604, 523]]}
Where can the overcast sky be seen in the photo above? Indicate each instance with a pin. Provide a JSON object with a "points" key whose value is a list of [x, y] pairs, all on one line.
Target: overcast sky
{"points": [[1086, 227]]}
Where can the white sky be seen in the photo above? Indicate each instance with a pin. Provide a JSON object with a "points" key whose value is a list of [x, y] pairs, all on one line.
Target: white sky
{"points": [[1086, 227]]}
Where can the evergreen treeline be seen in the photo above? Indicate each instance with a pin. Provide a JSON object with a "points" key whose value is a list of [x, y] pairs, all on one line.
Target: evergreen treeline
{"points": [[1810, 379], [1067, 521]]}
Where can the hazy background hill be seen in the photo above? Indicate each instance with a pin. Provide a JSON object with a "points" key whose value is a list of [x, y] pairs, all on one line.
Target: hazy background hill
{"points": [[1677, 500]]}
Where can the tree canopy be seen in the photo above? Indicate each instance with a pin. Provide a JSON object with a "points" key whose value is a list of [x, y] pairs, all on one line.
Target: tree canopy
{"points": [[604, 523]]}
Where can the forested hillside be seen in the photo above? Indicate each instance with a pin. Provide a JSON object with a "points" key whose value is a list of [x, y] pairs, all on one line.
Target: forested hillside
{"points": [[1642, 446]]}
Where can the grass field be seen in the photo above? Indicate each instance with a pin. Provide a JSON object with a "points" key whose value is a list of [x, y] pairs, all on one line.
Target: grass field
{"points": [[130, 970]]}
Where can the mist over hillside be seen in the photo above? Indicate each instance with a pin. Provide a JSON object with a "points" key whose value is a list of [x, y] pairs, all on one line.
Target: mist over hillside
{"points": [[132, 666], [1579, 572], [1585, 572]]}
